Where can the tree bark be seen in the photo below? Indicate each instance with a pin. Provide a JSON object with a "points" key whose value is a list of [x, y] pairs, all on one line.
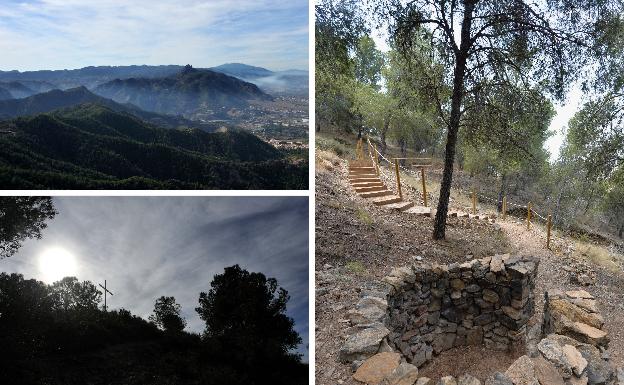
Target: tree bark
{"points": [[439, 228]]}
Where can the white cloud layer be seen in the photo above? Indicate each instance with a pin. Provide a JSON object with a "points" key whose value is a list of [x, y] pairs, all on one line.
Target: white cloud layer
{"points": [[58, 34]]}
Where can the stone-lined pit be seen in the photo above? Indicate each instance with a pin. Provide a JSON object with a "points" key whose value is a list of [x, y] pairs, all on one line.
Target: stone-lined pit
{"points": [[486, 301], [424, 310]]}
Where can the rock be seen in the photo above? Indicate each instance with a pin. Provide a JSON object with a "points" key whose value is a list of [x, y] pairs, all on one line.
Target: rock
{"points": [[553, 352], [498, 378], [599, 371], [574, 313], [375, 369], [457, 284], [448, 380], [443, 342], [363, 344], [365, 315], [384, 347], [424, 381], [404, 374], [497, 265], [578, 381], [474, 336], [546, 373], [620, 376], [576, 360], [467, 379], [522, 372], [579, 294], [490, 296], [590, 335]]}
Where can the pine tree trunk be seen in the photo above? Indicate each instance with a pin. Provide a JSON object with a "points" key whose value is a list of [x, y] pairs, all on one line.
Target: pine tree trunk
{"points": [[439, 228]]}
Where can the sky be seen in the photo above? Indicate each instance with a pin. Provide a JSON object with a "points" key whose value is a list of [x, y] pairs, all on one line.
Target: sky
{"points": [[69, 34], [147, 247]]}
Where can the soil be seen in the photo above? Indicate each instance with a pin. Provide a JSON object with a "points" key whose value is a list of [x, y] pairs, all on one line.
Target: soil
{"points": [[358, 243]]}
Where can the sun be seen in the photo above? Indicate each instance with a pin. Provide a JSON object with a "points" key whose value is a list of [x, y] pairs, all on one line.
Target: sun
{"points": [[56, 263]]}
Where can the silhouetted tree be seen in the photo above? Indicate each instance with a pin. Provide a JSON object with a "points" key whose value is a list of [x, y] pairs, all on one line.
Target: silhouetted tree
{"points": [[22, 218], [167, 315], [71, 294], [246, 312]]}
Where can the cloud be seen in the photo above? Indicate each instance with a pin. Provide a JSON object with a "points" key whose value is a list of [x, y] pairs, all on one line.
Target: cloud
{"points": [[146, 247], [73, 34]]}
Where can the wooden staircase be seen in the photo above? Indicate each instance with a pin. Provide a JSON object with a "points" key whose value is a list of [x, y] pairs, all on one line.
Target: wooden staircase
{"points": [[366, 183]]}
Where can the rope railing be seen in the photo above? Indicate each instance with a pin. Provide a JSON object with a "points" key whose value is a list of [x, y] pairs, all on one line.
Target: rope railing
{"points": [[375, 154]]}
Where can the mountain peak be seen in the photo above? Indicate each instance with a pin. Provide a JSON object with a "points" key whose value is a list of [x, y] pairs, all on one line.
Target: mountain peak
{"points": [[188, 69]]}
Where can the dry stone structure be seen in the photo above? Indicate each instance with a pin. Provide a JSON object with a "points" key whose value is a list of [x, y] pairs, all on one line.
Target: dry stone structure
{"points": [[426, 309], [484, 301]]}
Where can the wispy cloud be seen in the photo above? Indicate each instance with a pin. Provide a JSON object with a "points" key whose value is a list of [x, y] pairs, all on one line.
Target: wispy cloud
{"points": [[146, 247], [57, 34]]}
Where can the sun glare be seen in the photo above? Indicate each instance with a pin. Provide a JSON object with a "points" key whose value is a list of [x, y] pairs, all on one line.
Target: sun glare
{"points": [[56, 263]]}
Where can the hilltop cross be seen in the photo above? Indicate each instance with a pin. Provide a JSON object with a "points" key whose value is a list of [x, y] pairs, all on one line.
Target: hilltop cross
{"points": [[105, 291]]}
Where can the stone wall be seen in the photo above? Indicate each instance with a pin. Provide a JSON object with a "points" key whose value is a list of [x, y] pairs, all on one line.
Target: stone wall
{"points": [[571, 350], [433, 308]]}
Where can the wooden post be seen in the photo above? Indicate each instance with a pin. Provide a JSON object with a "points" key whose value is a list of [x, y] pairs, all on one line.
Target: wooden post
{"points": [[376, 157], [548, 227], [398, 177], [529, 216], [422, 176], [504, 206], [474, 202]]}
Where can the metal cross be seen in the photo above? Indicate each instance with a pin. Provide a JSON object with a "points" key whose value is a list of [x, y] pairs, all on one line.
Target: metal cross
{"points": [[105, 291]]}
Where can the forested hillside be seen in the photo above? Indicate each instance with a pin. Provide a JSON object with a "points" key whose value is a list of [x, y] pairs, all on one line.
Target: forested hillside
{"points": [[55, 99], [493, 123], [93, 147]]}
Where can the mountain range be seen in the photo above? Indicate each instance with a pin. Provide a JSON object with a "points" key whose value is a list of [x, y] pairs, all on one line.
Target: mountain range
{"points": [[186, 92], [91, 146], [55, 99], [286, 82]]}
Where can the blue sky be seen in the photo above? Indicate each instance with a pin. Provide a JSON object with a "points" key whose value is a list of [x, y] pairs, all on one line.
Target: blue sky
{"points": [[68, 34], [147, 247]]}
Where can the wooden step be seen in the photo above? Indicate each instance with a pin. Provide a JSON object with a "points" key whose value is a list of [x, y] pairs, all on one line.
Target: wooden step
{"points": [[401, 206], [420, 210], [355, 176], [368, 184], [360, 180], [361, 169], [369, 189], [452, 214], [375, 194], [360, 163], [387, 200]]}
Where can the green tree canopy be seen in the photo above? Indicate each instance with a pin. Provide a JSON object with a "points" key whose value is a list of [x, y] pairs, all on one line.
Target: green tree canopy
{"points": [[487, 47]]}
